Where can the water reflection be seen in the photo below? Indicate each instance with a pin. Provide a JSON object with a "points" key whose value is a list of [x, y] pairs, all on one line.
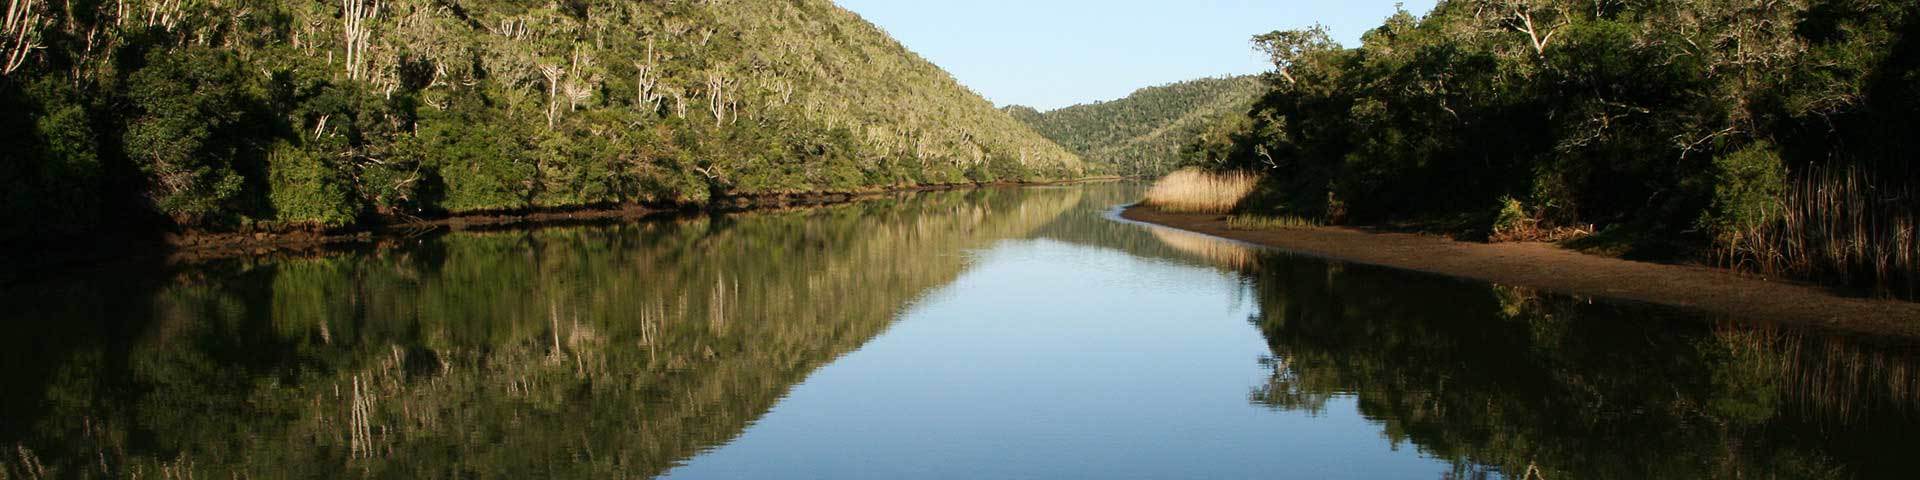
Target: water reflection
{"points": [[932, 333], [577, 352], [1506, 381]]}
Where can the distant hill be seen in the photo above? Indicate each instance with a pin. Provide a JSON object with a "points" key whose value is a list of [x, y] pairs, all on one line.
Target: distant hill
{"points": [[257, 114], [1142, 133]]}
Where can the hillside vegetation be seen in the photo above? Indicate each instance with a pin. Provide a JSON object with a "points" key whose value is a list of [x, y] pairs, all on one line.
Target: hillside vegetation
{"points": [[1143, 133], [1771, 136], [248, 114]]}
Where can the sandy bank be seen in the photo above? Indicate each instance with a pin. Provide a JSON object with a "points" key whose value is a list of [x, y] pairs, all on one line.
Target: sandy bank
{"points": [[1555, 269]]}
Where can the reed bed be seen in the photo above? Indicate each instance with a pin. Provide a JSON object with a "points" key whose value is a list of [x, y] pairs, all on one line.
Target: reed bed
{"points": [[1839, 227], [1826, 377], [1199, 191]]}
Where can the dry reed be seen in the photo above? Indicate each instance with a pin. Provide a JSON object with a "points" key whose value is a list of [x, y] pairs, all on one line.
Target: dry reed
{"points": [[1828, 377], [1198, 191], [1838, 227], [1220, 252]]}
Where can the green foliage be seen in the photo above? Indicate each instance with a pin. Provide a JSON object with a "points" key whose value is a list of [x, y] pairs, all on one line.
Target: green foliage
{"points": [[308, 188], [1677, 120], [223, 115], [50, 173], [1143, 134], [1269, 222], [188, 132], [1512, 215], [1748, 186], [479, 164]]}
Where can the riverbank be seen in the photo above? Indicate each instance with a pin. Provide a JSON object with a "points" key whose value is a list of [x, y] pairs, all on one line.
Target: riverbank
{"points": [[195, 245], [1548, 267]]}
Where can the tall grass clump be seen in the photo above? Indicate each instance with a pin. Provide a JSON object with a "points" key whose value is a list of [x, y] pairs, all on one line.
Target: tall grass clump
{"points": [[1200, 191], [1839, 227], [1270, 222]]}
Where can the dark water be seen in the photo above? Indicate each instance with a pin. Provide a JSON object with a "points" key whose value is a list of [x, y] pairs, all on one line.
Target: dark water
{"points": [[1008, 333]]}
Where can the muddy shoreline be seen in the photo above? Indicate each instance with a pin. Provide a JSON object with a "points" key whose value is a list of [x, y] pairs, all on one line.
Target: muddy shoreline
{"points": [[1538, 265], [196, 246]]}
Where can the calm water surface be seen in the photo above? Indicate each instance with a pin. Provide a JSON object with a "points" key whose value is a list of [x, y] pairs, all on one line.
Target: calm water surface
{"points": [[1002, 333]]}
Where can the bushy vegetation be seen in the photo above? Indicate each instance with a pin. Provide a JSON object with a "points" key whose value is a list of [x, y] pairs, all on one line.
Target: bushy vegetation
{"points": [[278, 113], [1682, 123], [1143, 133]]}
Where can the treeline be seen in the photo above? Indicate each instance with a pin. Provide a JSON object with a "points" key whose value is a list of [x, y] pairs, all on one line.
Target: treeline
{"points": [[1143, 133], [249, 114], [1772, 136]]}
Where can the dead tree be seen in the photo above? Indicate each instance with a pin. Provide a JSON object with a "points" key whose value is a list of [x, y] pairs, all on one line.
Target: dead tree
{"points": [[717, 102], [1540, 20], [353, 21], [164, 14], [582, 80], [22, 32], [553, 74], [512, 28], [577, 94], [647, 79]]}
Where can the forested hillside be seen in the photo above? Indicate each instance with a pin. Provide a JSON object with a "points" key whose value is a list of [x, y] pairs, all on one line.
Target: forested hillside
{"points": [[1772, 136], [244, 114], [1143, 133]]}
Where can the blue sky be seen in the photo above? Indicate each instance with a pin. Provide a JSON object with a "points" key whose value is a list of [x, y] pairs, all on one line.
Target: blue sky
{"points": [[1053, 53]]}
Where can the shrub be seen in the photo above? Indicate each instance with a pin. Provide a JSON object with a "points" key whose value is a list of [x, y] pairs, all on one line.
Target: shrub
{"points": [[307, 188], [480, 165], [1514, 222], [1747, 190], [50, 174], [1511, 219], [188, 132]]}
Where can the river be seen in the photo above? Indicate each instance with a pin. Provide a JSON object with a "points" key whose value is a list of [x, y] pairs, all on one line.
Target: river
{"points": [[992, 333]]}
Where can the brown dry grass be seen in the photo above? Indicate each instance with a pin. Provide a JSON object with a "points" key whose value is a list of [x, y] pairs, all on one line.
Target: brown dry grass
{"points": [[1221, 252], [1199, 191]]}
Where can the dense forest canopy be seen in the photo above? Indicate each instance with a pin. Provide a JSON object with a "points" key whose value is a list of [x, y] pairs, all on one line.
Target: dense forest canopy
{"points": [[1143, 133], [1776, 135], [274, 113]]}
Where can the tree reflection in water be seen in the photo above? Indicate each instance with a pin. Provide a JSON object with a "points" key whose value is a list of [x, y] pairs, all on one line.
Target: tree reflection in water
{"points": [[572, 351], [623, 350], [1507, 380]]}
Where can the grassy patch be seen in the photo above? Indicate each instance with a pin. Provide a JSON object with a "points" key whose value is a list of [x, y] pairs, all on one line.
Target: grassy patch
{"points": [[1198, 191], [1270, 222]]}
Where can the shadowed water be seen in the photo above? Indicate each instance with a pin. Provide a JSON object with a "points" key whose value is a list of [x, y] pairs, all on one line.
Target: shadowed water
{"points": [[999, 333]]}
